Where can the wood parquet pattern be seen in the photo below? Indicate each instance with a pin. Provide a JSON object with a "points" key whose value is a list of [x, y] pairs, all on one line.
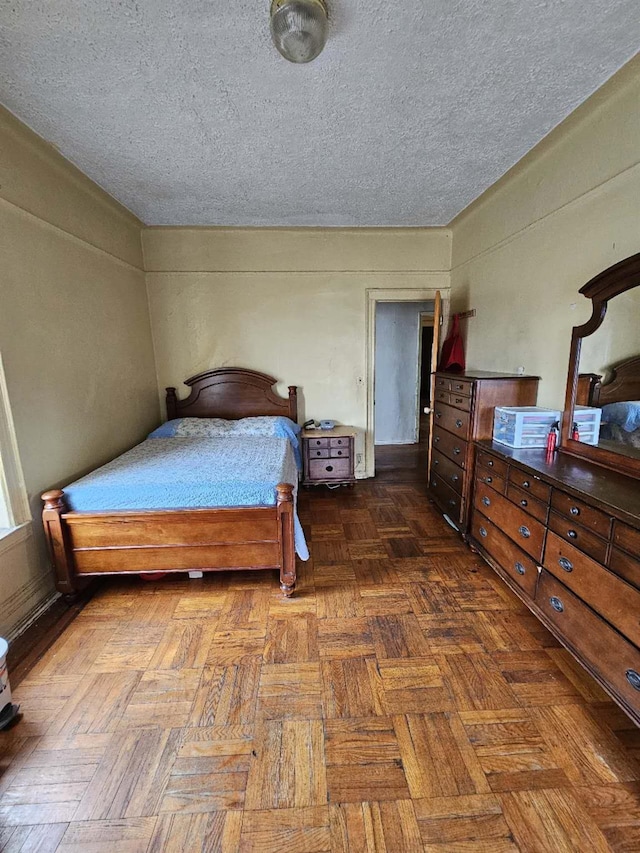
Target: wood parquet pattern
{"points": [[404, 700]]}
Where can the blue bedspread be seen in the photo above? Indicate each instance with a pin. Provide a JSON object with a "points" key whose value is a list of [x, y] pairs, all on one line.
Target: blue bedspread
{"points": [[195, 472]]}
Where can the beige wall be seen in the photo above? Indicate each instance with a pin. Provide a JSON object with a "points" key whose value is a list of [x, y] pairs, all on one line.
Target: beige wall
{"points": [[74, 336], [292, 303], [568, 210]]}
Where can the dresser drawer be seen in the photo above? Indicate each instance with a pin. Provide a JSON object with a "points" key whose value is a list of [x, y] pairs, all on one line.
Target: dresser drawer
{"points": [[452, 446], [441, 396], [447, 498], [330, 469], [615, 660], [530, 484], [454, 384], [625, 565], [461, 386], [497, 466], [451, 473], [627, 538], [518, 565], [593, 519], [526, 532], [451, 419], [487, 476], [612, 598], [579, 536], [459, 401], [528, 503]]}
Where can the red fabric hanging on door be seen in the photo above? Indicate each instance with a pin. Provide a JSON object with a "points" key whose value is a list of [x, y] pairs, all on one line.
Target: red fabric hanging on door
{"points": [[452, 355]]}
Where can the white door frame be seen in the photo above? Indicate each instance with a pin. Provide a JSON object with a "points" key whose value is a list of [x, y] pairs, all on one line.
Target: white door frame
{"points": [[389, 294]]}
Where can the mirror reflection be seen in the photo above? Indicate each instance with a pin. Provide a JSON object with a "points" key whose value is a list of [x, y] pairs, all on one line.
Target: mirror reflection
{"points": [[607, 411]]}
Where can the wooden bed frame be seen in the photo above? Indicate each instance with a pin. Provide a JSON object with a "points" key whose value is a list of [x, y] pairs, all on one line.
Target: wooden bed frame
{"points": [[83, 544]]}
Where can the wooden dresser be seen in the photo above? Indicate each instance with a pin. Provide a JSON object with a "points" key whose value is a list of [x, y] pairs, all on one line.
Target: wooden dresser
{"points": [[463, 412], [565, 536]]}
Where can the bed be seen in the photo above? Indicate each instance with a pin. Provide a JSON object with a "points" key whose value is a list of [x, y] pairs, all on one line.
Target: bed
{"points": [[116, 535], [619, 399]]}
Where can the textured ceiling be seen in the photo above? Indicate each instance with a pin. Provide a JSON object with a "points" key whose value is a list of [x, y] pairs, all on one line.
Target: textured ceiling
{"points": [[185, 112]]}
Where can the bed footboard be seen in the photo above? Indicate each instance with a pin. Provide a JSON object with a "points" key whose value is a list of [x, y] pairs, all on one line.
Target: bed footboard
{"points": [[82, 544]]}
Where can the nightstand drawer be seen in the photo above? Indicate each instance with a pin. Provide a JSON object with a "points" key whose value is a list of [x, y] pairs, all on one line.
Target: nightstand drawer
{"points": [[339, 452], [343, 442], [318, 442], [330, 469], [318, 452]]}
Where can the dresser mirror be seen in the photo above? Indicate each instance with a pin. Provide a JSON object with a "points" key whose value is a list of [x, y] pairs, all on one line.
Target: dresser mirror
{"points": [[601, 420]]}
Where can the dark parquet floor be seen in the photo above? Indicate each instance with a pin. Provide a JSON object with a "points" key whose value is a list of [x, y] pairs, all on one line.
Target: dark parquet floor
{"points": [[403, 700]]}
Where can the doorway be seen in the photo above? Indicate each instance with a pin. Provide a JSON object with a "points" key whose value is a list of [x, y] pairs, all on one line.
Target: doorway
{"points": [[402, 370], [438, 294]]}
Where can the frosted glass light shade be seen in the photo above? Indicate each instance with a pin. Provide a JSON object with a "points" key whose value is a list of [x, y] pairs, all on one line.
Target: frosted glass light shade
{"points": [[299, 28]]}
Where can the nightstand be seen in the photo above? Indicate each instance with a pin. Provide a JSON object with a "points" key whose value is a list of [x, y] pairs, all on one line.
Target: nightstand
{"points": [[328, 456]]}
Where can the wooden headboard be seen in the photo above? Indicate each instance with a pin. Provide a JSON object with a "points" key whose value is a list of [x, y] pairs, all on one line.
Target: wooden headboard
{"points": [[232, 393], [623, 384]]}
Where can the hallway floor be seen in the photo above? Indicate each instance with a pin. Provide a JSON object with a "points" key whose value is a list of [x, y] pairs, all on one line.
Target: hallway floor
{"points": [[403, 700]]}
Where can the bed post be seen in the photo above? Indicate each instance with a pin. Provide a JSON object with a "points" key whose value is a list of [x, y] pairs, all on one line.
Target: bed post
{"points": [[286, 536], [293, 403], [172, 403], [57, 541]]}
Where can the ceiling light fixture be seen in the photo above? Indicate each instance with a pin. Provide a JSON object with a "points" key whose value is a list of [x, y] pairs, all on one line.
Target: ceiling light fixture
{"points": [[299, 28]]}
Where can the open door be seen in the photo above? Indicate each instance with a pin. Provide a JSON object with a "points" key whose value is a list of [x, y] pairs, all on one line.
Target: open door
{"points": [[435, 351]]}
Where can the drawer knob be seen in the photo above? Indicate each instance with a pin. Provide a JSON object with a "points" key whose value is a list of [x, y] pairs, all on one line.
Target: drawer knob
{"points": [[458, 399], [458, 423], [318, 453], [318, 441], [526, 484], [339, 453], [433, 483], [524, 502], [633, 678], [486, 501], [339, 441], [488, 479], [436, 461], [490, 463], [329, 468], [482, 531], [520, 569], [574, 510], [452, 502], [572, 534], [557, 605], [436, 439], [459, 387], [455, 478], [438, 415], [456, 451], [524, 531], [565, 564]]}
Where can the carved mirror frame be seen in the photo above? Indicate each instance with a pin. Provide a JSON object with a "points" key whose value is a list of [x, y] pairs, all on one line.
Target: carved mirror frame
{"points": [[613, 281]]}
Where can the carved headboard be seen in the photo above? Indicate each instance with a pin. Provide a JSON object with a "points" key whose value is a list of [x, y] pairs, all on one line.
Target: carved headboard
{"points": [[623, 384], [232, 393]]}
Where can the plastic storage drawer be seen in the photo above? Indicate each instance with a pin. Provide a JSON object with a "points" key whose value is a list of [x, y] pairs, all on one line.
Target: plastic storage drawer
{"points": [[523, 426]]}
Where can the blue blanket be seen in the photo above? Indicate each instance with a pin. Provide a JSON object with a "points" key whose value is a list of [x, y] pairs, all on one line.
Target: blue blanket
{"points": [[187, 473], [625, 415]]}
